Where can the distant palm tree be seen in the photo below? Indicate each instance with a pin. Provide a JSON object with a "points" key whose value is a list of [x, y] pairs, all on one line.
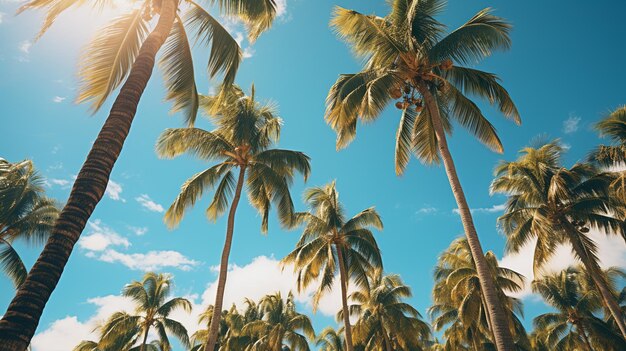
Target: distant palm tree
{"points": [[613, 156], [246, 129], [409, 59], [129, 331], [557, 205], [230, 336], [386, 321], [25, 214], [330, 243], [280, 325], [573, 326], [330, 340], [459, 303], [124, 52]]}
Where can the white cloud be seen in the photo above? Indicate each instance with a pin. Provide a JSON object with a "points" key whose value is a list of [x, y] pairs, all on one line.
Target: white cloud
{"points": [[25, 46], [611, 251], [138, 230], [492, 209], [150, 261], [58, 99], [264, 276], [570, 125], [64, 334], [148, 204], [114, 190], [63, 183], [248, 52], [427, 210], [101, 237], [281, 8]]}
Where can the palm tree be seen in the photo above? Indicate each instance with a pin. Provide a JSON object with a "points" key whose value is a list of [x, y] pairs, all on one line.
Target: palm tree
{"points": [[573, 326], [410, 60], [245, 131], [230, 329], [459, 303], [329, 242], [25, 214], [280, 325], [122, 330], [556, 205], [613, 156], [124, 52], [330, 340], [385, 321]]}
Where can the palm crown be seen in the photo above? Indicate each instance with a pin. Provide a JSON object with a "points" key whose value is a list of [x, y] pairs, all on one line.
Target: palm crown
{"points": [[406, 56], [124, 330], [25, 214], [109, 57], [242, 139]]}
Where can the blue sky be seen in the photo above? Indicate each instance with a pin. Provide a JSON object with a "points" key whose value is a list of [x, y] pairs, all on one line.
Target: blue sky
{"points": [[564, 72]]}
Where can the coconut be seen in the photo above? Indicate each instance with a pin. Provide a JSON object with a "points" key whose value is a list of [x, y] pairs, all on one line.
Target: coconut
{"points": [[446, 64], [395, 93], [400, 105], [418, 108]]}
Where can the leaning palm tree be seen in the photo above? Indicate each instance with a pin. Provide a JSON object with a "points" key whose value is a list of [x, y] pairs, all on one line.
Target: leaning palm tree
{"points": [[573, 325], [25, 214], [385, 320], [125, 53], [459, 304], [409, 59], [129, 331], [280, 325], [329, 243], [246, 129], [557, 205], [330, 340]]}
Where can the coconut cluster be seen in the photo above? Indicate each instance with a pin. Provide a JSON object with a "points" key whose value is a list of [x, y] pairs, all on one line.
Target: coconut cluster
{"points": [[408, 98]]}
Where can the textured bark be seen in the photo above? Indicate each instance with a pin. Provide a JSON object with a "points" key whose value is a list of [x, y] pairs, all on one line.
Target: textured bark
{"points": [[344, 299], [500, 325], [20, 321], [221, 282]]}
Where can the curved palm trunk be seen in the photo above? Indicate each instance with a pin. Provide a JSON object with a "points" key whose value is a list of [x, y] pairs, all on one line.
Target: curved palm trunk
{"points": [[221, 282], [500, 325], [595, 272], [22, 317], [145, 339], [344, 299]]}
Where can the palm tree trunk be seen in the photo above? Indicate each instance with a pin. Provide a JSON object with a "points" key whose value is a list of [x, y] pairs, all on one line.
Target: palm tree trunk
{"points": [[221, 282], [582, 330], [501, 331], [344, 299], [22, 316], [595, 272], [145, 339]]}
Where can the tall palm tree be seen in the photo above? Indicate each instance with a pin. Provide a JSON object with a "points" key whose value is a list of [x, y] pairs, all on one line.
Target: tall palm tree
{"points": [[280, 325], [409, 59], [246, 129], [124, 52], [573, 326], [330, 340], [556, 205], [385, 320], [459, 303], [329, 243], [25, 214], [128, 331]]}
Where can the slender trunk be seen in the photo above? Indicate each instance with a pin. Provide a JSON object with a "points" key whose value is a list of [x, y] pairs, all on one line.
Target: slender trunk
{"points": [[501, 331], [344, 299], [221, 282], [145, 339], [595, 272], [22, 316], [581, 328], [386, 338]]}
